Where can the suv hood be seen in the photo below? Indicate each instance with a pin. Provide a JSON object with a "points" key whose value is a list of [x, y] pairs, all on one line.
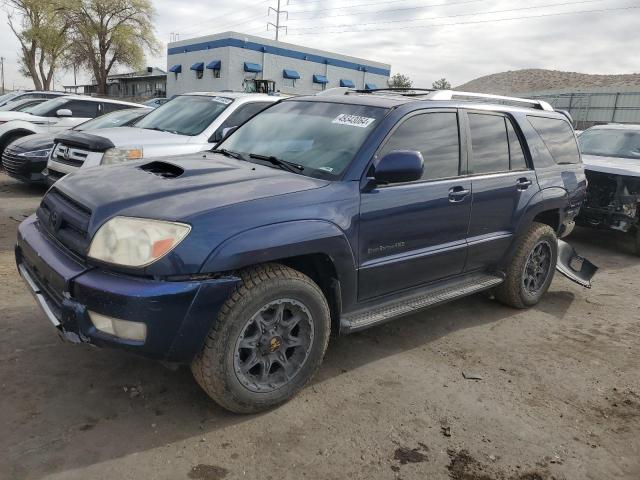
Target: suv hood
{"points": [[31, 143], [629, 167], [150, 189], [139, 137]]}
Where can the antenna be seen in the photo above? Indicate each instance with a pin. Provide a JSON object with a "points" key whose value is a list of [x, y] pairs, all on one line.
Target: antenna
{"points": [[278, 11]]}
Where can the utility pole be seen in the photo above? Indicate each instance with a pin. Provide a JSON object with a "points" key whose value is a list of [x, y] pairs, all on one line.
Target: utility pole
{"points": [[278, 11], [2, 69]]}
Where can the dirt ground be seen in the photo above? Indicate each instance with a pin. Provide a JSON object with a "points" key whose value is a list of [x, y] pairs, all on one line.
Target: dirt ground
{"points": [[559, 394]]}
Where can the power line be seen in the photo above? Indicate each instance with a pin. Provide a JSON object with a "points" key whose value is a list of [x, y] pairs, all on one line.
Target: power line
{"points": [[228, 25], [473, 22], [490, 12], [350, 6]]}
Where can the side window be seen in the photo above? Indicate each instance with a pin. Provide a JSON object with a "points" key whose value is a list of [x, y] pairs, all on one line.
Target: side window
{"points": [[436, 136], [82, 109], [113, 107], [489, 143], [518, 161], [241, 115], [559, 138]]}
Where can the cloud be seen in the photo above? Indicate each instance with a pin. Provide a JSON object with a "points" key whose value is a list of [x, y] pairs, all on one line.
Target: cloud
{"points": [[425, 40]]}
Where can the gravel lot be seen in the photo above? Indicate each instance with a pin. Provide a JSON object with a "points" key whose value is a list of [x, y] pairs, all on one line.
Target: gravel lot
{"points": [[559, 394]]}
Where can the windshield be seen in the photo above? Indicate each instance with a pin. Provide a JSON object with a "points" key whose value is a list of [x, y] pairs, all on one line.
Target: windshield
{"points": [[610, 143], [46, 107], [113, 119], [321, 137], [185, 115], [6, 97]]}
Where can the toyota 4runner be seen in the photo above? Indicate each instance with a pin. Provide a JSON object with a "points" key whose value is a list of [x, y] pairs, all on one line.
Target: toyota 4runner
{"points": [[322, 214]]}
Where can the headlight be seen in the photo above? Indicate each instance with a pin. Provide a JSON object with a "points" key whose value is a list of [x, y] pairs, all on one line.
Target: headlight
{"points": [[136, 242], [119, 155], [36, 153]]}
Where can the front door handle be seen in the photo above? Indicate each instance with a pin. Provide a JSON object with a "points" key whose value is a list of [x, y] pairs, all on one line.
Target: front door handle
{"points": [[458, 194], [523, 183]]}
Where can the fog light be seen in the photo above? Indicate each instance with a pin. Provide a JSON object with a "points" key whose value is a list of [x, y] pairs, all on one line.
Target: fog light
{"points": [[119, 328]]}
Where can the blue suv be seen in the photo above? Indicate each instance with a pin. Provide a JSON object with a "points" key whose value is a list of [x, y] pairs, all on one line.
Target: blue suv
{"points": [[322, 214]]}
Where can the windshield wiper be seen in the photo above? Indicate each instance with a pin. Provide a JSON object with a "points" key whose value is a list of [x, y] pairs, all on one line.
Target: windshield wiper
{"points": [[289, 166], [228, 153]]}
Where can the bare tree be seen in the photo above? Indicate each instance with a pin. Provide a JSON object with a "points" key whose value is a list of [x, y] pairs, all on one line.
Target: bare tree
{"points": [[43, 33], [108, 33]]}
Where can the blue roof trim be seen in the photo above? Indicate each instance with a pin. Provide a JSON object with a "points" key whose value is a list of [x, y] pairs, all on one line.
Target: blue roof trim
{"points": [[347, 83], [320, 79], [283, 52], [176, 68], [198, 67], [370, 86], [252, 67], [292, 74], [215, 65]]}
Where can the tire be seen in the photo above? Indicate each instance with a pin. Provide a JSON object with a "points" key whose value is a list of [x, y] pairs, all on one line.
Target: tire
{"points": [[267, 292], [524, 287]]}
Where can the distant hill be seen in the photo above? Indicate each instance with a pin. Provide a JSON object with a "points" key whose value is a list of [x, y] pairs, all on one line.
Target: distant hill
{"points": [[532, 80]]}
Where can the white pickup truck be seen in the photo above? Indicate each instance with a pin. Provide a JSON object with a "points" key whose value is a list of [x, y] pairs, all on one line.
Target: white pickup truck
{"points": [[188, 123]]}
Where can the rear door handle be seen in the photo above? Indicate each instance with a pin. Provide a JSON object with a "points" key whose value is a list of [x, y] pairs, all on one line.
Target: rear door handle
{"points": [[458, 194], [523, 183]]}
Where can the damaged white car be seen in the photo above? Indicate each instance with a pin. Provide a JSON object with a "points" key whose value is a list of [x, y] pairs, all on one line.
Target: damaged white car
{"points": [[611, 156]]}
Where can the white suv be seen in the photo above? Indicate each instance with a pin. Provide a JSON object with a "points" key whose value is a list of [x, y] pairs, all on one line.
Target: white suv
{"points": [[188, 123], [55, 115]]}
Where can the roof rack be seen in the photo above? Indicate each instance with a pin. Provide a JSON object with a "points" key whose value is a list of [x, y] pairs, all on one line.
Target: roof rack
{"points": [[451, 94]]}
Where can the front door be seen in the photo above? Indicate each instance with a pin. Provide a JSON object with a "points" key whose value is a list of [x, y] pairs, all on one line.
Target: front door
{"points": [[502, 184], [415, 233]]}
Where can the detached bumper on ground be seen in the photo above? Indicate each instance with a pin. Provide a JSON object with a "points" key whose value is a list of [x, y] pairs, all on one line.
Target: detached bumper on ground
{"points": [[177, 315]]}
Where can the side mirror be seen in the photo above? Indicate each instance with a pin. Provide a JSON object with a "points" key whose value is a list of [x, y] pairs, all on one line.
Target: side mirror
{"points": [[64, 112], [399, 166]]}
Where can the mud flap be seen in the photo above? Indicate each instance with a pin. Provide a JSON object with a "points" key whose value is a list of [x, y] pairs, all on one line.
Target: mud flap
{"points": [[573, 266]]}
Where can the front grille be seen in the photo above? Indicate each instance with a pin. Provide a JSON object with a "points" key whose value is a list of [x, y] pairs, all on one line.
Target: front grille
{"points": [[69, 155], [66, 220], [14, 165]]}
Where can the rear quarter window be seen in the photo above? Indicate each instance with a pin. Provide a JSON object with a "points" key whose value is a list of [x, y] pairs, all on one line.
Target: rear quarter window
{"points": [[558, 137]]}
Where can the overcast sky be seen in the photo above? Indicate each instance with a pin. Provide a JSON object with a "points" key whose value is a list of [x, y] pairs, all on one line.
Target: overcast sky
{"points": [[425, 39]]}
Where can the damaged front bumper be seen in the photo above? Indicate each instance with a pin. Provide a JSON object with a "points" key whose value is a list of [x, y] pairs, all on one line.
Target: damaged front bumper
{"points": [[573, 266]]}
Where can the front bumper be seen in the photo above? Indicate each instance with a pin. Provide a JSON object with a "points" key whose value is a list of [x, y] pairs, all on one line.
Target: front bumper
{"points": [[178, 315]]}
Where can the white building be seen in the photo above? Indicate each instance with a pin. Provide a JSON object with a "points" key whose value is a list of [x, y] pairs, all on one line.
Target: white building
{"points": [[233, 61]]}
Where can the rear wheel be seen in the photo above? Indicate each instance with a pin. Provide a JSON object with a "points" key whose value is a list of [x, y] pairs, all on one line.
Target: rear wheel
{"points": [[268, 341], [532, 267]]}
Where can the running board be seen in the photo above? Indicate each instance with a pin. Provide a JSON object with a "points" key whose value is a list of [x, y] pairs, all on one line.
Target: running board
{"points": [[376, 313]]}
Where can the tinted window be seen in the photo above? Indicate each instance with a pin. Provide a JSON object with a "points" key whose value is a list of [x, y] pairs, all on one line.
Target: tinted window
{"points": [[518, 161], [435, 135], [610, 143], [241, 115], [186, 114], [83, 109], [114, 107], [489, 143], [49, 108], [559, 138], [322, 137]]}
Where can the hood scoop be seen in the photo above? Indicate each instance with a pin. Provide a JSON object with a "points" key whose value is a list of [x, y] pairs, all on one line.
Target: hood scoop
{"points": [[162, 169]]}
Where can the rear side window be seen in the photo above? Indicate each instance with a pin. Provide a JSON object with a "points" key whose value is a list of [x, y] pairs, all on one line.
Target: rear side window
{"points": [[559, 138], [82, 109], [489, 143], [435, 135], [518, 161], [114, 107]]}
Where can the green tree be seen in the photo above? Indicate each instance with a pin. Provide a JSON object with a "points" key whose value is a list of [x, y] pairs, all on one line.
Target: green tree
{"points": [[442, 84], [399, 80], [44, 36], [109, 33]]}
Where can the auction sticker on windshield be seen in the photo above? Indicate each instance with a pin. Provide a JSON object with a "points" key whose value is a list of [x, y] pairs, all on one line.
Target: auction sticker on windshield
{"points": [[353, 120]]}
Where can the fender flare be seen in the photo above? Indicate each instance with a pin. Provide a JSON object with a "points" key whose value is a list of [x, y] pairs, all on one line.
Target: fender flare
{"points": [[20, 128], [280, 241], [552, 198]]}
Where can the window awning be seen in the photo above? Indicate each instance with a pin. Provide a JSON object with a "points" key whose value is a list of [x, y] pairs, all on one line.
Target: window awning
{"points": [[370, 86], [347, 83], [320, 79], [252, 67], [198, 67], [176, 68], [292, 74], [215, 65]]}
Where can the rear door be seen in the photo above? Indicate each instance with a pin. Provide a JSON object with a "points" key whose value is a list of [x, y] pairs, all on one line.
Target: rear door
{"points": [[502, 183], [415, 233]]}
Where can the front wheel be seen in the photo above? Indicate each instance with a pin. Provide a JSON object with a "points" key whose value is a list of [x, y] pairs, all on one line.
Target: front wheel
{"points": [[531, 269], [268, 341]]}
